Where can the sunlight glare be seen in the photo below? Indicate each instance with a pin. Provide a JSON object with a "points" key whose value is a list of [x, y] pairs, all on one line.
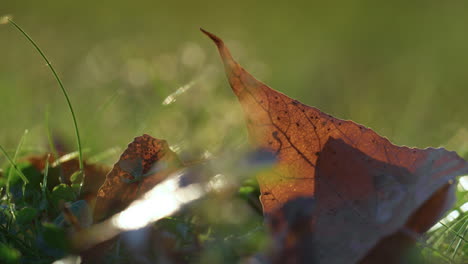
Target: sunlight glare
{"points": [[464, 207], [451, 216], [5, 19], [464, 182], [68, 260], [163, 200], [218, 182], [172, 97]]}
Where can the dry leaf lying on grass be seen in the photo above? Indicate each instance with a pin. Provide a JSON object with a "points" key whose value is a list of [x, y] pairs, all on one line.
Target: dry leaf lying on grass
{"points": [[145, 163], [338, 192], [338, 188]]}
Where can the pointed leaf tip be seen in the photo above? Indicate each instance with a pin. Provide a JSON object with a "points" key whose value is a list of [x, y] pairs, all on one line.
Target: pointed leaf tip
{"points": [[233, 69], [353, 186], [213, 37], [223, 50]]}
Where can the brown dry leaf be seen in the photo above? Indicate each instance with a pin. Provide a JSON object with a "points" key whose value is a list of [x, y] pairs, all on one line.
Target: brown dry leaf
{"points": [[360, 187], [146, 162]]}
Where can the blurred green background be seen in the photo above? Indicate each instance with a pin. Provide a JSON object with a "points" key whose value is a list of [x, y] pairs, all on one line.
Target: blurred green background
{"points": [[398, 67]]}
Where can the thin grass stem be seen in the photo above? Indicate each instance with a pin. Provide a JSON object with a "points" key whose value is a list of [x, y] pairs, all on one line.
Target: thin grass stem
{"points": [[57, 78], [10, 173], [463, 230], [13, 164], [50, 138]]}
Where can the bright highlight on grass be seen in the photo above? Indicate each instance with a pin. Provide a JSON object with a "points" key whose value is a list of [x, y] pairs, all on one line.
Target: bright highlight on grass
{"points": [[7, 19]]}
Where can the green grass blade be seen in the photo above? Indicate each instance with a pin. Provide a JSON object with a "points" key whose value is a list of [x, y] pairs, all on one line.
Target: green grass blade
{"points": [[10, 173], [462, 230], [52, 146], [13, 164], [454, 239], [438, 236], [18, 149], [50, 138], [46, 175], [450, 229], [75, 123], [15, 157]]}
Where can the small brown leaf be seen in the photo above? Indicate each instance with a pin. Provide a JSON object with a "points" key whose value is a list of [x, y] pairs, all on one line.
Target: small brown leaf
{"points": [[364, 188], [145, 163]]}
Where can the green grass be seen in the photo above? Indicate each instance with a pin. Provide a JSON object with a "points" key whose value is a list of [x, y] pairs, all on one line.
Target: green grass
{"points": [[448, 244], [13, 161], [65, 94]]}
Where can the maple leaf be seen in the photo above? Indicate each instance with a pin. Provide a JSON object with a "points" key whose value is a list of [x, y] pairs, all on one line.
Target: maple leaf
{"points": [[358, 187], [146, 162]]}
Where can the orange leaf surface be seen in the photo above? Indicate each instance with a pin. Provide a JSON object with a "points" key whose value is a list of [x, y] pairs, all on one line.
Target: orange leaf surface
{"points": [[363, 188], [145, 163]]}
